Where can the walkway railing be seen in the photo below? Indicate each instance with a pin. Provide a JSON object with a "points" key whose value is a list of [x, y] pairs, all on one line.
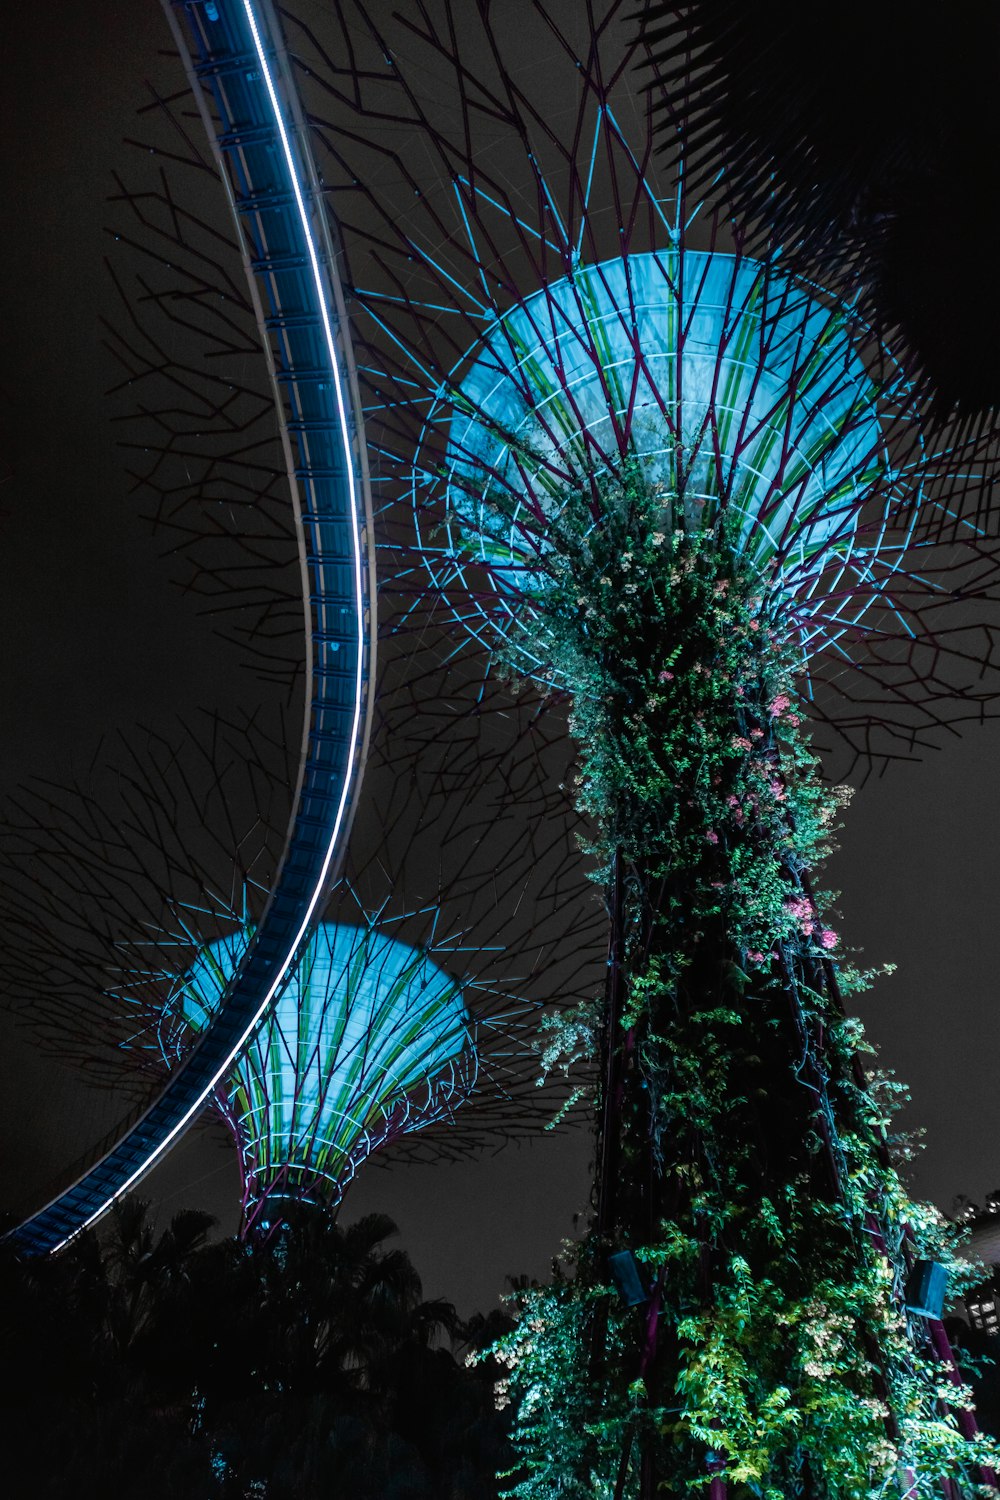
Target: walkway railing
{"points": [[241, 76]]}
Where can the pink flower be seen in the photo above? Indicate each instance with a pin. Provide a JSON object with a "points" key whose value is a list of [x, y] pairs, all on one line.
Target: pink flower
{"points": [[779, 791], [781, 702], [828, 938], [794, 720], [756, 734], [798, 907], [755, 957], [740, 742], [711, 836], [666, 677], [754, 625], [732, 800], [739, 692]]}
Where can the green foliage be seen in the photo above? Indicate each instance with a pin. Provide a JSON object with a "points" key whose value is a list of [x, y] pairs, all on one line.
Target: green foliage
{"points": [[692, 756], [570, 1427], [781, 1359]]}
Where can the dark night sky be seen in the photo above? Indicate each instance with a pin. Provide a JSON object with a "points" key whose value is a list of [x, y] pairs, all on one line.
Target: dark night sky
{"points": [[97, 638]]}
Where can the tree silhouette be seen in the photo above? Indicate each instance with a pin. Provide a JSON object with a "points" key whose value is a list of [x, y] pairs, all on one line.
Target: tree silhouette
{"points": [[305, 1363]]}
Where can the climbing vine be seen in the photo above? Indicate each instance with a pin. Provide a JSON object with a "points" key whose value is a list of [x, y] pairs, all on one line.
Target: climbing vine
{"points": [[743, 1157]]}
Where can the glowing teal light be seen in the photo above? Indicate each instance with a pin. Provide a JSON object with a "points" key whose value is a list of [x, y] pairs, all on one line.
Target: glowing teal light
{"points": [[740, 390], [368, 1041]]}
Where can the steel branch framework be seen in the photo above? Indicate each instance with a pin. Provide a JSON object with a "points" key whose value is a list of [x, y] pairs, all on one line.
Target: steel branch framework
{"points": [[368, 1042], [504, 227], [464, 851]]}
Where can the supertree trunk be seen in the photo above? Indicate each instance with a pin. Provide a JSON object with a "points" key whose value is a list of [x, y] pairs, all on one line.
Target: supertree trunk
{"points": [[746, 1205], [692, 495]]}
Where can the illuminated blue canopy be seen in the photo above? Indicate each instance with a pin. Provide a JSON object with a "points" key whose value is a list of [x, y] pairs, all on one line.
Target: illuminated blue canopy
{"points": [[741, 391], [367, 1041]]}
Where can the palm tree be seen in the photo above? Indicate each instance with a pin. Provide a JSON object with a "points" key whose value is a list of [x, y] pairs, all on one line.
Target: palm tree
{"points": [[307, 1364]]}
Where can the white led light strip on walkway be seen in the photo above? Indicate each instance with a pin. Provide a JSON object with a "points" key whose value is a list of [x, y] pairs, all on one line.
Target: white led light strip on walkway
{"points": [[349, 778]]}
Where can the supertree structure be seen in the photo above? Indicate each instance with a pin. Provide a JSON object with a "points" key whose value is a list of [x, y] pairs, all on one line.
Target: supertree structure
{"points": [[368, 1041], [407, 1020], [694, 495]]}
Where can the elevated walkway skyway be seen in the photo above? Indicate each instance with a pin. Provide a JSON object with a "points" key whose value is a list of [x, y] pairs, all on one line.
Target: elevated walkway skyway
{"points": [[238, 66]]}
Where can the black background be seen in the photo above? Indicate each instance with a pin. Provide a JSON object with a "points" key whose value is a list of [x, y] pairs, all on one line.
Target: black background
{"points": [[96, 637]]}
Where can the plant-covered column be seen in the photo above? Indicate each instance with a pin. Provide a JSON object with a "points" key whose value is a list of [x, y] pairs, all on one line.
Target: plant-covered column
{"points": [[741, 1152], [536, 297]]}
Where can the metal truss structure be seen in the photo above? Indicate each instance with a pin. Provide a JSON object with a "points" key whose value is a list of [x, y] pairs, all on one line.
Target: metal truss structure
{"points": [[462, 917], [737, 391], [532, 298], [369, 1041], [484, 252]]}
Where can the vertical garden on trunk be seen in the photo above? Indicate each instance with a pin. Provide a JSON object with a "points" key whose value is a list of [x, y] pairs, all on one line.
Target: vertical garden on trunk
{"points": [[742, 1150], [647, 470]]}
